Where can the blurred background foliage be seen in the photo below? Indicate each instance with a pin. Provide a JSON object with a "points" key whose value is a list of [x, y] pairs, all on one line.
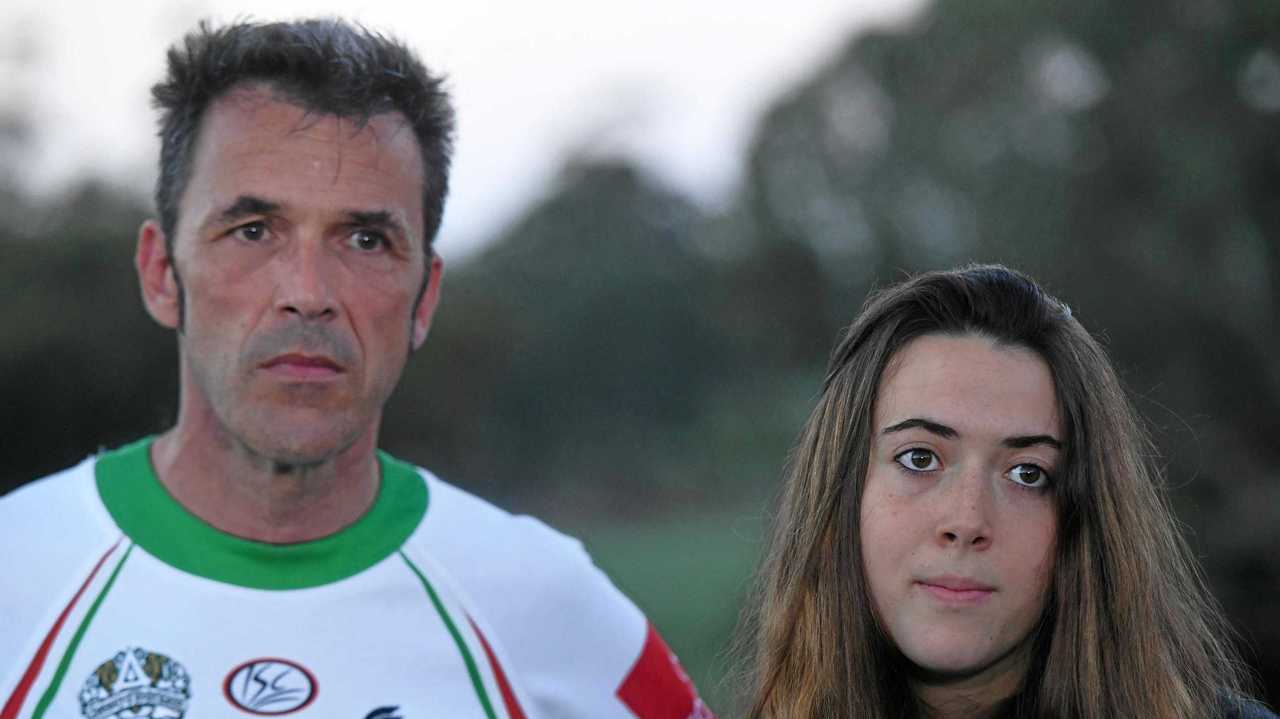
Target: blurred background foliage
{"points": [[634, 367]]}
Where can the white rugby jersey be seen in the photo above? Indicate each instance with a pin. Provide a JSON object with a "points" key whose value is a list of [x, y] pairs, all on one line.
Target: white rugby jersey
{"points": [[118, 603]]}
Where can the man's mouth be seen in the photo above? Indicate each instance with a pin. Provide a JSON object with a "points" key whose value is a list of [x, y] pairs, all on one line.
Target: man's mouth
{"points": [[299, 366]]}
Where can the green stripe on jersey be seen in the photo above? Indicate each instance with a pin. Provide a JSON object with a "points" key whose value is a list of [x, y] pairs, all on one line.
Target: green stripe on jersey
{"points": [[74, 644], [472, 670], [156, 522]]}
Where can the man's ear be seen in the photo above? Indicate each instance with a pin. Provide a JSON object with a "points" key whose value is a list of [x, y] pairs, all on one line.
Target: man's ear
{"points": [[426, 308], [156, 275]]}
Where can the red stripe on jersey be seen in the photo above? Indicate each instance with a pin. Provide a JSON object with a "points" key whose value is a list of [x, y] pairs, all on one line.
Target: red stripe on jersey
{"points": [[657, 688], [508, 697], [19, 695]]}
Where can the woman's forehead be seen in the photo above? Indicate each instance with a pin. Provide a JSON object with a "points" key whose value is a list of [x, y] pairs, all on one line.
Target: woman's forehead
{"points": [[970, 383]]}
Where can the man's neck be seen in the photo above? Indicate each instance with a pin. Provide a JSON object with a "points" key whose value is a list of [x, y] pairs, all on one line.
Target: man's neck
{"points": [[223, 482]]}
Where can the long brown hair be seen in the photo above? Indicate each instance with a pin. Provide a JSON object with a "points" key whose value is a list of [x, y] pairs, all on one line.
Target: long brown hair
{"points": [[1129, 628]]}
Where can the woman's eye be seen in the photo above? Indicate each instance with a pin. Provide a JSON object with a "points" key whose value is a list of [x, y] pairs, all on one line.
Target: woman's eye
{"points": [[1029, 475], [918, 460], [252, 232], [368, 240]]}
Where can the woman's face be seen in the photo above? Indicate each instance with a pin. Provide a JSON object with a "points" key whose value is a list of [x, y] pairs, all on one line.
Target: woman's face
{"points": [[957, 519]]}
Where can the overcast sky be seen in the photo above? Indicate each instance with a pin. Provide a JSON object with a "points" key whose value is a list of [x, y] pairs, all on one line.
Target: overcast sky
{"points": [[676, 85]]}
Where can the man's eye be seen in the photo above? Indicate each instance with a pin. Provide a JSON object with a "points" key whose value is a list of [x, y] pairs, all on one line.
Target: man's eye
{"points": [[918, 460], [1029, 475], [252, 232], [368, 240]]}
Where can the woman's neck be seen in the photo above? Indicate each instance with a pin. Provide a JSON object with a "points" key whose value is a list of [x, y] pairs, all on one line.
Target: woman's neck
{"points": [[964, 708], [981, 695]]}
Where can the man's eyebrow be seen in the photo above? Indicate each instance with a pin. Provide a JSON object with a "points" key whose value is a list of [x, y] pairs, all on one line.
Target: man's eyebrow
{"points": [[373, 218], [248, 205], [941, 430], [1031, 440]]}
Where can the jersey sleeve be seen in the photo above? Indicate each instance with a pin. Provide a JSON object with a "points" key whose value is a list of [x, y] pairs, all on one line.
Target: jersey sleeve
{"points": [[56, 536], [572, 644], [656, 687]]}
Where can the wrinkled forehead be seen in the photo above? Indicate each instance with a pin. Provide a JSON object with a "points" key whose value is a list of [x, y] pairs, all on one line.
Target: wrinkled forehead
{"points": [[254, 109], [253, 143]]}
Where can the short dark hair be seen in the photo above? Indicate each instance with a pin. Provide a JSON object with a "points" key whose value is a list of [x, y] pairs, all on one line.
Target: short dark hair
{"points": [[323, 65]]}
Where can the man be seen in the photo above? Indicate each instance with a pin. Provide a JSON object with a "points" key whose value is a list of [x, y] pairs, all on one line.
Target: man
{"points": [[262, 556]]}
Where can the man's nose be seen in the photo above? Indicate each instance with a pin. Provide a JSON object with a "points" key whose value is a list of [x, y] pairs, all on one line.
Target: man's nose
{"points": [[305, 282], [964, 510]]}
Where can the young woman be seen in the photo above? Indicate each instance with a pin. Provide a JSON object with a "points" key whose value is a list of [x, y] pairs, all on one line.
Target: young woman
{"points": [[971, 528]]}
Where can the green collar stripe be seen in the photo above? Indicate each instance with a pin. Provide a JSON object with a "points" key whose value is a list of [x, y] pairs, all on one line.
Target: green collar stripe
{"points": [[165, 529], [467, 659], [58, 675]]}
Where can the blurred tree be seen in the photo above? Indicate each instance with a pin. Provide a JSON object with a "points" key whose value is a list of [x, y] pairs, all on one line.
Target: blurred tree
{"points": [[83, 366], [575, 357]]}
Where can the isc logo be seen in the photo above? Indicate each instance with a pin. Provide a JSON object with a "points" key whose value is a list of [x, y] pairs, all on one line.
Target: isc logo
{"points": [[270, 687]]}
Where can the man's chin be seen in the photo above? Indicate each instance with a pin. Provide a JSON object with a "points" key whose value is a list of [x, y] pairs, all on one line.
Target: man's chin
{"points": [[298, 448]]}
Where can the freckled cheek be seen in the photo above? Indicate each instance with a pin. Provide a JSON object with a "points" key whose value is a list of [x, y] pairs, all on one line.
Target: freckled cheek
{"points": [[886, 546], [1047, 558], [884, 513], [1037, 556]]}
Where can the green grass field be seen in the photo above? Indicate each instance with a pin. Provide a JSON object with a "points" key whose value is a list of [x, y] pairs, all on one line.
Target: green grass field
{"points": [[690, 576]]}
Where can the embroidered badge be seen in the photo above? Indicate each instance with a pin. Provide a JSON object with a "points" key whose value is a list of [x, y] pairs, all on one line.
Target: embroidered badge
{"points": [[270, 687], [136, 683]]}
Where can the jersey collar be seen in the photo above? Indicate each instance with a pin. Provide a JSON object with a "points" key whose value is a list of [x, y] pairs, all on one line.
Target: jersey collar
{"points": [[155, 521]]}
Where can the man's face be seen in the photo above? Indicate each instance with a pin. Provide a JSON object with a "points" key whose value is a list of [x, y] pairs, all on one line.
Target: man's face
{"points": [[300, 252]]}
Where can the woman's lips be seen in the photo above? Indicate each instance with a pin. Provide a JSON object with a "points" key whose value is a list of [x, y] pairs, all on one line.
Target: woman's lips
{"points": [[956, 589]]}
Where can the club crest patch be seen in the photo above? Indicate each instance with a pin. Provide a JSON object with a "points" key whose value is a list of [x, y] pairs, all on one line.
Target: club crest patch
{"points": [[136, 683], [270, 686]]}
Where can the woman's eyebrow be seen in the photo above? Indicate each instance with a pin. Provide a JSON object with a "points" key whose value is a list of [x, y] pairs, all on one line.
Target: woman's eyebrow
{"points": [[1031, 440], [937, 428], [942, 430]]}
